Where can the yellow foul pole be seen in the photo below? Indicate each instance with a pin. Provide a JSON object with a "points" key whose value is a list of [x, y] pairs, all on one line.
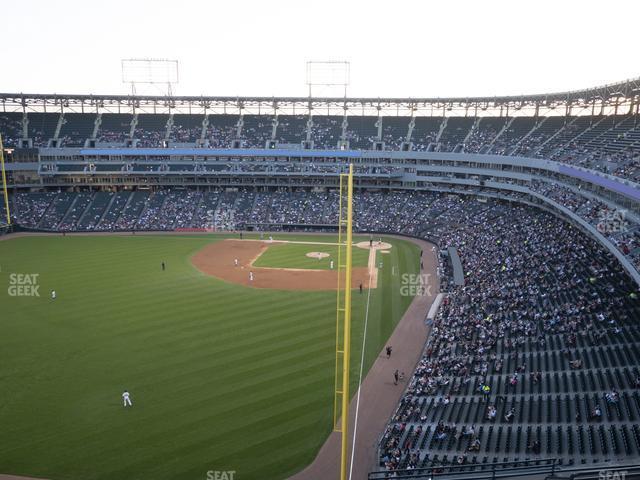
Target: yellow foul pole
{"points": [[4, 183], [347, 330]]}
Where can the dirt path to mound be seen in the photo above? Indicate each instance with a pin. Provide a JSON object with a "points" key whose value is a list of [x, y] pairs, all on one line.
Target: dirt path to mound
{"points": [[218, 260], [378, 395]]}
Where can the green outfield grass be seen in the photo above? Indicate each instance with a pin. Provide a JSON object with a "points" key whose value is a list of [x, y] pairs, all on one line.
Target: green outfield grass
{"points": [[293, 255], [222, 377]]}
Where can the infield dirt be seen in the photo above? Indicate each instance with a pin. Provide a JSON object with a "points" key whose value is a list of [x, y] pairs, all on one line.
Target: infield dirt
{"points": [[218, 260]]}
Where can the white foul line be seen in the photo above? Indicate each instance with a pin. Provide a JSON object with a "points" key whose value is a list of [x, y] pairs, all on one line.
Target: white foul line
{"points": [[364, 341]]}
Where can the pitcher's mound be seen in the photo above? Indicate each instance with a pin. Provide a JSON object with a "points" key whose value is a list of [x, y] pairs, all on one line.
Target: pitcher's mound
{"points": [[376, 245], [317, 255]]}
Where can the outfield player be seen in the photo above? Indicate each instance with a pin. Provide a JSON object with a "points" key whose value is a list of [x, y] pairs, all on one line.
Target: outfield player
{"points": [[331, 265], [53, 294], [126, 398]]}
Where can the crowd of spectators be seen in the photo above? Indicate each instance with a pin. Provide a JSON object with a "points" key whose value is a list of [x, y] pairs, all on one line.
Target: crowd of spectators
{"points": [[613, 148], [479, 140], [29, 208], [526, 280], [115, 137], [11, 130], [620, 227], [416, 213], [166, 209]]}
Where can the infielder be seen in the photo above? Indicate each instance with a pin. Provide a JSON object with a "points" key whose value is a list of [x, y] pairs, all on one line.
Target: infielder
{"points": [[126, 399], [251, 276], [235, 262], [331, 265]]}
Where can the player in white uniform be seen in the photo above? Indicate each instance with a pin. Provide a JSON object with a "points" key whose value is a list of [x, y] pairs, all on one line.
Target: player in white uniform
{"points": [[331, 265], [126, 399], [53, 294], [251, 276], [235, 262]]}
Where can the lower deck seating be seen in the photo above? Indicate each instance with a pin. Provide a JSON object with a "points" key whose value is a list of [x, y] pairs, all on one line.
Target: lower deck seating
{"points": [[536, 356]]}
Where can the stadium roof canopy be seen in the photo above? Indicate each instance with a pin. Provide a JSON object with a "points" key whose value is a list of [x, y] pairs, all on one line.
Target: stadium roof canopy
{"points": [[625, 94]]}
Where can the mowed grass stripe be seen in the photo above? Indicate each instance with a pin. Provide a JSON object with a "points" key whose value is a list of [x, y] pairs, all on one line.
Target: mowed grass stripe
{"points": [[289, 380], [232, 456], [259, 353], [227, 377], [254, 414], [245, 348], [203, 419], [287, 411], [292, 328], [229, 319], [194, 318], [301, 385]]}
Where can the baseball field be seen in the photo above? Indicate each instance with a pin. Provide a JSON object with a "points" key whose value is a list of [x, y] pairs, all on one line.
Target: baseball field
{"points": [[225, 373]]}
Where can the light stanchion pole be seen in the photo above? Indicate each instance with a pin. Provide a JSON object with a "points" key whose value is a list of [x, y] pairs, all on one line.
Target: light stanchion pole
{"points": [[4, 183]]}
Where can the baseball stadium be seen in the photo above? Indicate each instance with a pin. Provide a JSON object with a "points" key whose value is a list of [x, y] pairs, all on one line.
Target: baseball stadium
{"points": [[320, 287]]}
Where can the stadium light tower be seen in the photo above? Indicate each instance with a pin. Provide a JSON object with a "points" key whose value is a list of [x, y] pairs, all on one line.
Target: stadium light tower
{"points": [[328, 75], [158, 72]]}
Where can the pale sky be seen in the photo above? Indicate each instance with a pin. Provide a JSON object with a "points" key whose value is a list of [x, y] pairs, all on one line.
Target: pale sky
{"points": [[396, 48]]}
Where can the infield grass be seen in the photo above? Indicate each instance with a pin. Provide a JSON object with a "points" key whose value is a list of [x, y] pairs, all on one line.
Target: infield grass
{"points": [[222, 377], [293, 255]]}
